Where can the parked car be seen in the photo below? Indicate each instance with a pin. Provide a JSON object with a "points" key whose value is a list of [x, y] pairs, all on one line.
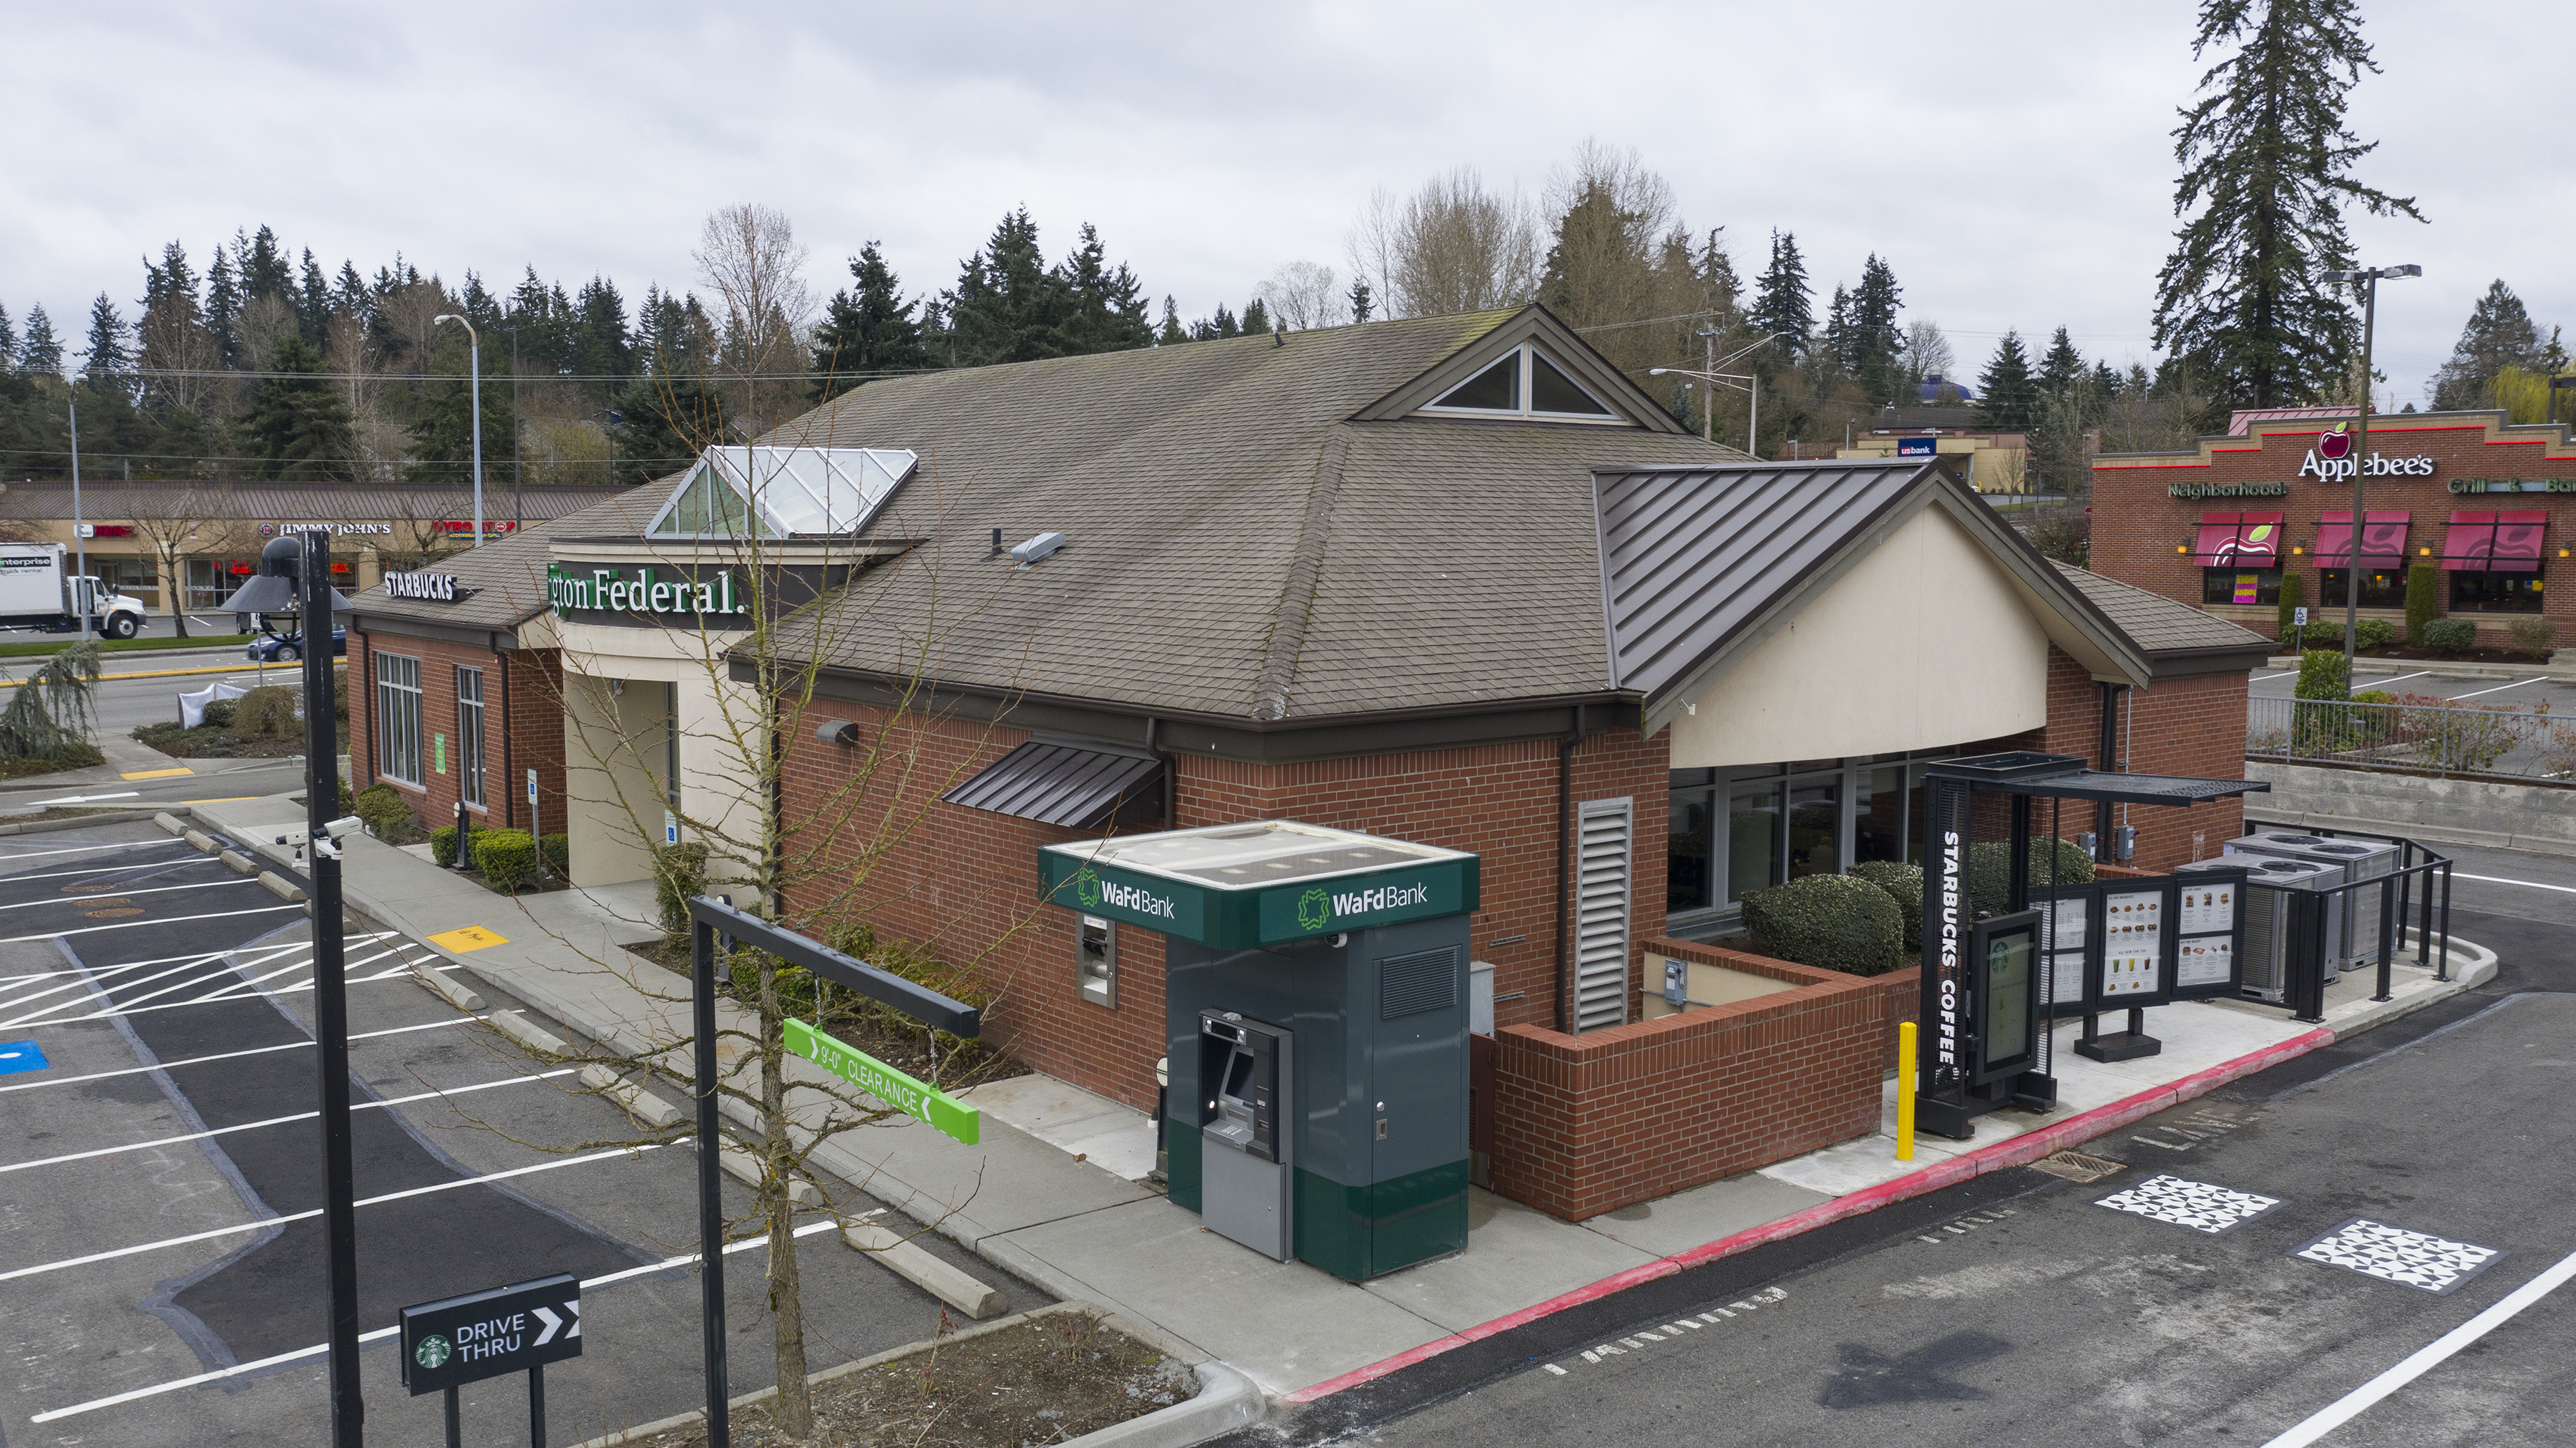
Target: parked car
{"points": [[272, 648]]}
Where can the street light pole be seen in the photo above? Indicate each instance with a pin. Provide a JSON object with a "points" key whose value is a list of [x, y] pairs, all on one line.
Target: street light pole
{"points": [[80, 546], [2369, 279], [473, 365], [1708, 395]]}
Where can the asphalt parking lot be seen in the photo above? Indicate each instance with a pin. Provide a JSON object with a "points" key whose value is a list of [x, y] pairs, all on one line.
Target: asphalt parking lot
{"points": [[160, 1248]]}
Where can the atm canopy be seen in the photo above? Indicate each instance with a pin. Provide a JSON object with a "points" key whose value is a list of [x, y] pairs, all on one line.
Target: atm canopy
{"points": [[1259, 882], [2383, 540], [2063, 776], [2507, 542]]}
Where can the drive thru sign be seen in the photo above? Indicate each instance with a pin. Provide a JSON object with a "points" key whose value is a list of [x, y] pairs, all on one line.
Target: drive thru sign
{"points": [[485, 1334]]}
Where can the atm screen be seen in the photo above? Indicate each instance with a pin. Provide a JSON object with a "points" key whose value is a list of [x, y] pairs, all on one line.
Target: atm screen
{"points": [[1238, 1076], [2008, 966]]}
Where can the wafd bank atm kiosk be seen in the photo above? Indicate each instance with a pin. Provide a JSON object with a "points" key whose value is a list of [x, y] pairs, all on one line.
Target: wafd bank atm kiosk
{"points": [[1315, 1010]]}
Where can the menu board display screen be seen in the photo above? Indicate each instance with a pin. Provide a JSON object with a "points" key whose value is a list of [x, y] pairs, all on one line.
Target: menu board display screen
{"points": [[2063, 925], [2133, 943]]}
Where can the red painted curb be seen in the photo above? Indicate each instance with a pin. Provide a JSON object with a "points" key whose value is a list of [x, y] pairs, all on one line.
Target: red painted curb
{"points": [[2020, 1150]]}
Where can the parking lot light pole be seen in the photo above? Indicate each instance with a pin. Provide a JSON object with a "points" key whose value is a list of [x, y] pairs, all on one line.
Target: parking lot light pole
{"points": [[2369, 279], [474, 370]]}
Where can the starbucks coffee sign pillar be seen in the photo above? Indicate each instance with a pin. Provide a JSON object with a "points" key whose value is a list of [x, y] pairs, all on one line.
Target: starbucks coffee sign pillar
{"points": [[515, 1329]]}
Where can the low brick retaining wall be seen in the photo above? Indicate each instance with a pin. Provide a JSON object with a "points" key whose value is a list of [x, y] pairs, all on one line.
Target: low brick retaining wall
{"points": [[1591, 1123]]}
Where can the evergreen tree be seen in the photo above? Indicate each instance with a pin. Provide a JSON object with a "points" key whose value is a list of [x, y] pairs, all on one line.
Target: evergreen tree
{"points": [[1172, 331], [2008, 399], [1363, 301], [1716, 272], [2107, 384], [1782, 301], [108, 365], [867, 329], [1005, 307], [1256, 318], [313, 302], [350, 294], [2500, 334], [671, 411], [2061, 368], [481, 307], [442, 434], [223, 307], [602, 346], [2267, 159], [42, 352], [264, 269], [298, 425], [1836, 340], [1105, 306], [8, 345], [1877, 345]]}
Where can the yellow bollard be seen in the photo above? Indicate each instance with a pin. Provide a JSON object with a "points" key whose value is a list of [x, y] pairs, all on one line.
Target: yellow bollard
{"points": [[1905, 1047]]}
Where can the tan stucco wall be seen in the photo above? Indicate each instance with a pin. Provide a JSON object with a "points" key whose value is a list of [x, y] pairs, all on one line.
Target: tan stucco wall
{"points": [[614, 748], [1924, 643]]}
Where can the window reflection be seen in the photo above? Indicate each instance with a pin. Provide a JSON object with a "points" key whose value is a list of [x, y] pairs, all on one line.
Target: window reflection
{"points": [[1752, 840]]}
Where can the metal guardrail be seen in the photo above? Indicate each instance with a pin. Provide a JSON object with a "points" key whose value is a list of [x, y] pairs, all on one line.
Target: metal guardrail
{"points": [[2420, 886], [2416, 735]]}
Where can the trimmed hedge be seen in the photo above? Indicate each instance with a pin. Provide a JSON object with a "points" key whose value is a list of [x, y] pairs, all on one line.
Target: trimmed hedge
{"points": [[557, 850], [2450, 635], [2375, 633], [381, 806], [1904, 884], [1989, 871], [2321, 676], [219, 714], [442, 846], [679, 872], [267, 712], [2287, 630], [1832, 922], [507, 858], [2423, 601]]}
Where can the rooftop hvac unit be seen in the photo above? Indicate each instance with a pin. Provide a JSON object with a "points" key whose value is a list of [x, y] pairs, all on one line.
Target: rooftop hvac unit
{"points": [[2267, 916], [2357, 914]]}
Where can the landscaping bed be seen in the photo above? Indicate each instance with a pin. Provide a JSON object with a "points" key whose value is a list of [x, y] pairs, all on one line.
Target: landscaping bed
{"points": [[1046, 1379], [208, 741], [79, 756]]}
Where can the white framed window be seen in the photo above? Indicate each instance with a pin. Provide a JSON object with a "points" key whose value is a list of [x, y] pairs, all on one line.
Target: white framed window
{"points": [[1096, 960], [1524, 383], [398, 718], [469, 735]]}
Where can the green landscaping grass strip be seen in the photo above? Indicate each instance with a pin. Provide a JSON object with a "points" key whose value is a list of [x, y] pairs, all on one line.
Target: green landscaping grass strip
{"points": [[127, 646]]}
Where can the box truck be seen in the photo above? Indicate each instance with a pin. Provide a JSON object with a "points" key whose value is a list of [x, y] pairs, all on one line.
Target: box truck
{"points": [[38, 590]]}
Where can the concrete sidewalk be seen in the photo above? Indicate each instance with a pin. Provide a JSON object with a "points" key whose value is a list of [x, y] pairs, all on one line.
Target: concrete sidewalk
{"points": [[1048, 1193]]}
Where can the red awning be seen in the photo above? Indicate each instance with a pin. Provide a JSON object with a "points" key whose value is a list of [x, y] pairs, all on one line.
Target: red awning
{"points": [[2383, 540], [2238, 540], [2517, 541], [2469, 542]]}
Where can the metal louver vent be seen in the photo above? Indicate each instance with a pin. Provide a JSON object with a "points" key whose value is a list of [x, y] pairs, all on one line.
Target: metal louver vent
{"points": [[1605, 834], [1424, 981]]}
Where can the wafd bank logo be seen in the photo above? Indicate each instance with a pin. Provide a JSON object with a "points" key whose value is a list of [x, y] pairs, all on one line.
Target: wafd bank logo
{"points": [[1318, 908], [1095, 892]]}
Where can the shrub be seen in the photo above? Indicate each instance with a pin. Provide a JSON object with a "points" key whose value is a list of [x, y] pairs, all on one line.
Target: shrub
{"points": [[267, 712], [557, 851], [1903, 883], [340, 693], [442, 846], [679, 872], [2321, 676], [2375, 633], [2450, 635], [1832, 922], [219, 714], [2531, 635], [916, 964], [2422, 602], [2291, 588], [1989, 871], [380, 805], [507, 858], [48, 716]]}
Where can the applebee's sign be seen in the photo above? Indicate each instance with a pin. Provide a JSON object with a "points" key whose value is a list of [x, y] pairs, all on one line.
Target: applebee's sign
{"points": [[2331, 459]]}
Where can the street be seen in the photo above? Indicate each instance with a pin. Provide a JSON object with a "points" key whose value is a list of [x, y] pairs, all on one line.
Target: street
{"points": [[2018, 1309], [160, 1248]]}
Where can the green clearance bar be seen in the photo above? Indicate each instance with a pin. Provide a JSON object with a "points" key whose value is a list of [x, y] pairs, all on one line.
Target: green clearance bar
{"points": [[1238, 886], [884, 1082]]}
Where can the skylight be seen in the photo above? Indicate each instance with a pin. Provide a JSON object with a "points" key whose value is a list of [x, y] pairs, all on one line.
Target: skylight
{"points": [[781, 492], [1525, 383]]}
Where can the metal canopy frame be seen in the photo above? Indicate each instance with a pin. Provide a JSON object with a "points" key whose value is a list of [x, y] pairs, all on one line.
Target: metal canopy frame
{"points": [[1949, 1097]]}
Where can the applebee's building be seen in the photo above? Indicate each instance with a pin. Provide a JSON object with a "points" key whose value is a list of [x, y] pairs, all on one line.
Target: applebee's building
{"points": [[2491, 505]]}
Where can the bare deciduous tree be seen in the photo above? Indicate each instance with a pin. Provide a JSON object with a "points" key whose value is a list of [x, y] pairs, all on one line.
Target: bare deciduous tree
{"points": [[180, 521], [1304, 295], [748, 257], [1928, 354], [1453, 246]]}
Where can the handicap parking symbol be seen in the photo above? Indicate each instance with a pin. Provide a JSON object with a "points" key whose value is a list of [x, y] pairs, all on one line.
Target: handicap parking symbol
{"points": [[21, 1056]]}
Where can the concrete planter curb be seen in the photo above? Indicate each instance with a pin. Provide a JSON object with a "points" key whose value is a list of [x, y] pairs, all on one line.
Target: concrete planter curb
{"points": [[103, 817], [1226, 1399]]}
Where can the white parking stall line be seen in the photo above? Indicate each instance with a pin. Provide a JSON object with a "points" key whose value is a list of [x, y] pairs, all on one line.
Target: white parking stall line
{"points": [[2501, 880], [129, 1004], [137, 924], [2353, 1404], [8, 855], [283, 1120], [155, 890], [2259, 678], [2498, 689], [104, 977], [216, 996], [97, 870], [67, 1263], [2401, 678], [193, 957], [233, 1055], [685, 1259]]}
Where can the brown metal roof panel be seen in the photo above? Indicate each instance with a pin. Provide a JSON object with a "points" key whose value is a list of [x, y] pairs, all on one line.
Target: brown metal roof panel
{"points": [[1056, 784]]}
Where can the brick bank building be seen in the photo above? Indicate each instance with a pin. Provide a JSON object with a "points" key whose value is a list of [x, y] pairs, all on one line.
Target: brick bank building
{"points": [[1451, 580], [2490, 504]]}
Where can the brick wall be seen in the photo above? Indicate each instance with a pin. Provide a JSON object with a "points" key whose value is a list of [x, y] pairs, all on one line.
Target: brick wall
{"points": [[877, 844], [1588, 1124], [2137, 526], [523, 729]]}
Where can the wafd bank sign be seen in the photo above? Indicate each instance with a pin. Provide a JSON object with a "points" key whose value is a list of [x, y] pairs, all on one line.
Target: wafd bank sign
{"points": [[1239, 918]]}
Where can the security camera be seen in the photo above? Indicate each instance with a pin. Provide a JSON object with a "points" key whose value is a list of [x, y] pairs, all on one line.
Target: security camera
{"points": [[346, 825]]}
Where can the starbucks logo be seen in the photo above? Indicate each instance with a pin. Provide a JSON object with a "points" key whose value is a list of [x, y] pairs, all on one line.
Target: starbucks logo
{"points": [[1314, 910], [432, 1352], [1086, 888]]}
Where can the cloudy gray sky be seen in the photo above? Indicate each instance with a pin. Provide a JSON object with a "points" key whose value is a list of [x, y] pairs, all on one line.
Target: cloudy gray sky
{"points": [[2011, 160]]}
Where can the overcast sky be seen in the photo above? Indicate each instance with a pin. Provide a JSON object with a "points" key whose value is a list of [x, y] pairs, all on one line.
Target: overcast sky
{"points": [[2012, 161]]}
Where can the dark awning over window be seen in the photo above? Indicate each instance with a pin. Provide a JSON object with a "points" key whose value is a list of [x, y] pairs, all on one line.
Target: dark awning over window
{"points": [[2238, 540], [2508, 542], [2383, 540], [1066, 784]]}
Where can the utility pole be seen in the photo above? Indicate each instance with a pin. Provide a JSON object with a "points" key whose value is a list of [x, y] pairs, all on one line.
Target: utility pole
{"points": [[2369, 279], [80, 545], [474, 366], [1708, 390]]}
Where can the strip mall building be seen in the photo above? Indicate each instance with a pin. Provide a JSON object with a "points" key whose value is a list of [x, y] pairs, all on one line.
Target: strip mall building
{"points": [[2490, 504], [1450, 580]]}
